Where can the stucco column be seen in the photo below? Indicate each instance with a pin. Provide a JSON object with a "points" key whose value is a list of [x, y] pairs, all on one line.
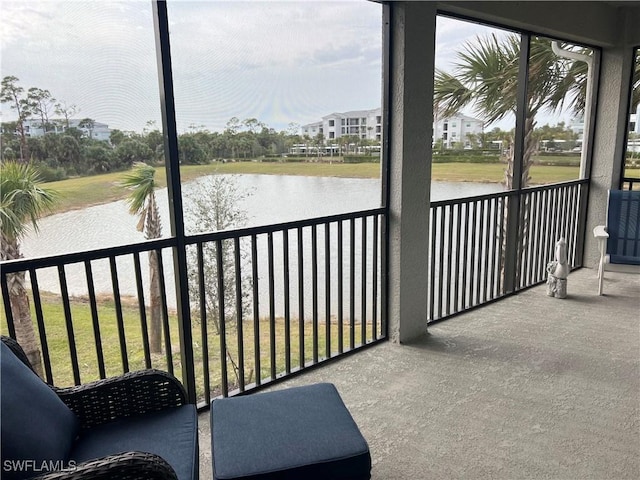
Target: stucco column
{"points": [[608, 143], [411, 69]]}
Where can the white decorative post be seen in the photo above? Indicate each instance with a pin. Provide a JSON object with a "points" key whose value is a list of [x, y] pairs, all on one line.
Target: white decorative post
{"points": [[558, 271]]}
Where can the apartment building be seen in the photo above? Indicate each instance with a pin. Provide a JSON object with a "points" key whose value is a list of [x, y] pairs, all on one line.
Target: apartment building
{"points": [[456, 130], [364, 124], [99, 131], [367, 124]]}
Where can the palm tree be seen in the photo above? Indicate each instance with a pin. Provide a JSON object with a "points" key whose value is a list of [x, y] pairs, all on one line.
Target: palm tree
{"points": [[22, 202], [142, 202], [486, 77]]}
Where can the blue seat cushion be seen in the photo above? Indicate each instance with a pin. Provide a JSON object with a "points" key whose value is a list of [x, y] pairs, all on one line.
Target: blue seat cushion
{"points": [[172, 434], [36, 425], [297, 433]]}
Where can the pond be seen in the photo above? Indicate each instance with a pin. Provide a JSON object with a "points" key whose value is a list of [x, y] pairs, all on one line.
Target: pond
{"points": [[268, 199]]}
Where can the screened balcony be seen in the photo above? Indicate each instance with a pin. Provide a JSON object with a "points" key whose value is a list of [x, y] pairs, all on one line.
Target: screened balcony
{"points": [[514, 384]]}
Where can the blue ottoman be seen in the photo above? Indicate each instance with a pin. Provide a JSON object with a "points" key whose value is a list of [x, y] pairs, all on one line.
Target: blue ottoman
{"points": [[297, 433]]}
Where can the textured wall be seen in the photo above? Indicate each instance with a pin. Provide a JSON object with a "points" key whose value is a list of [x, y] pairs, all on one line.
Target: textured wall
{"points": [[412, 69]]}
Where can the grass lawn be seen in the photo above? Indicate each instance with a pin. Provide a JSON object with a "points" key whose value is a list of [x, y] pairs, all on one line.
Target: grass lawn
{"points": [[58, 344], [76, 193]]}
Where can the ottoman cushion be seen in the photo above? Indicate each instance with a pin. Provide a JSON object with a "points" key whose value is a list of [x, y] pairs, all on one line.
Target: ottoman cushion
{"points": [[303, 432]]}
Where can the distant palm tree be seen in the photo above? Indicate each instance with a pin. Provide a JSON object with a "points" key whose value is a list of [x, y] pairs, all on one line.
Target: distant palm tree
{"points": [[486, 77], [22, 202], [142, 202]]}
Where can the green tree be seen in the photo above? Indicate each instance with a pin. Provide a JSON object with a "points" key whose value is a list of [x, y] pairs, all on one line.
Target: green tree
{"points": [[87, 124], [66, 111], [68, 153], [142, 202], [22, 202], [191, 153], [131, 151], [212, 206], [116, 137], [13, 94], [97, 158], [486, 77], [41, 104]]}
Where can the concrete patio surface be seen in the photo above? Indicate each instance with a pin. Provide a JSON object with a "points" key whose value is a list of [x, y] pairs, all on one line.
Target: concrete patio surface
{"points": [[527, 387]]}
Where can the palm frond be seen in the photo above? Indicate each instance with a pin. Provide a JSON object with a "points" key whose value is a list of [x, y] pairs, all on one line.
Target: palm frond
{"points": [[450, 94], [140, 180], [22, 200]]}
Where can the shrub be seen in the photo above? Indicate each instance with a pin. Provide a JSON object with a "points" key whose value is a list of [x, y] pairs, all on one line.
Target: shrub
{"points": [[361, 159], [50, 174]]}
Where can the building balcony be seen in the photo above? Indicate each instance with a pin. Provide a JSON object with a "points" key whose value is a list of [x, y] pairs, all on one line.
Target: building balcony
{"points": [[528, 387]]}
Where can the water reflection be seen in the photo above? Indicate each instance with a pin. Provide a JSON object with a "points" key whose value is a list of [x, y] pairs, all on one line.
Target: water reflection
{"points": [[271, 199]]}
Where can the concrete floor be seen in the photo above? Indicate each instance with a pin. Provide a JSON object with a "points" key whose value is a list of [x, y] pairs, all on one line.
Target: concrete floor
{"points": [[528, 387]]}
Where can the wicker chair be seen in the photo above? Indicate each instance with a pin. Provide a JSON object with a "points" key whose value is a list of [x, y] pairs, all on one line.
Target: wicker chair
{"points": [[136, 426]]}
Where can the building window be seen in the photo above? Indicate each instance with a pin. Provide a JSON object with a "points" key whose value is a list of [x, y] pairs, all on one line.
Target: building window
{"points": [[379, 119], [363, 121], [453, 124], [378, 128], [332, 123], [445, 127], [332, 135], [343, 130], [468, 125], [342, 122], [444, 136]]}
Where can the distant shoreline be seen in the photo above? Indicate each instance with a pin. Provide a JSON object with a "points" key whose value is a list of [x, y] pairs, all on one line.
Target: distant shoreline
{"points": [[83, 192]]}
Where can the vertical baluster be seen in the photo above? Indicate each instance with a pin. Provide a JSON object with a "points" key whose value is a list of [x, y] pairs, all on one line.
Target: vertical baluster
{"points": [[500, 228], [239, 312], [431, 288], [352, 283], [441, 235], [301, 297], [458, 233], [222, 320], [287, 307], [449, 257], [472, 260], [7, 306], [340, 289], [487, 241], [204, 336], [327, 288], [272, 306], [142, 310], [119, 318], [363, 283], [256, 308], [64, 291], [94, 317], [465, 257], [35, 293], [314, 289], [374, 279], [494, 234], [165, 313], [478, 281]]}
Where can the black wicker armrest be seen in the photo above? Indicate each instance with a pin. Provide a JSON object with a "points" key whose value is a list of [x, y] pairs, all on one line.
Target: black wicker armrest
{"points": [[124, 466], [118, 397]]}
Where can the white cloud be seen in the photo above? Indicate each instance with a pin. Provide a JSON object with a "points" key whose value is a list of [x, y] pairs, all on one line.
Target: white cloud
{"points": [[277, 61]]}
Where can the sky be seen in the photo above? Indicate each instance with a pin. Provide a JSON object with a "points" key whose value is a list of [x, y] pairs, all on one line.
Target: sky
{"points": [[279, 62]]}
